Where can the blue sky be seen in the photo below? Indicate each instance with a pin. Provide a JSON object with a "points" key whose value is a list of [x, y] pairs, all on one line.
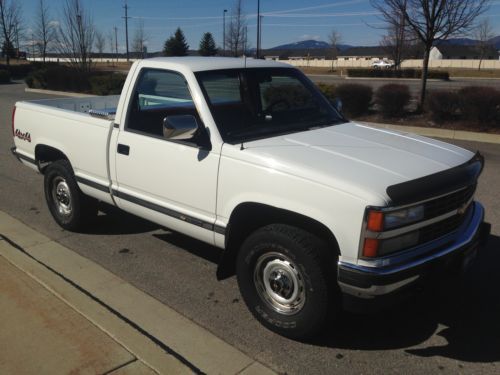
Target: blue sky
{"points": [[284, 21]]}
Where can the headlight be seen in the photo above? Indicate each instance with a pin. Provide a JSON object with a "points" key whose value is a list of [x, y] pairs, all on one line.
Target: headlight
{"points": [[403, 217], [378, 221]]}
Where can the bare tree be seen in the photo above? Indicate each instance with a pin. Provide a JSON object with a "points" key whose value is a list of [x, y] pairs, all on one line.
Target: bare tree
{"points": [[335, 38], [10, 23], [140, 39], [100, 42], [484, 34], [111, 41], [110, 36], [75, 36], [235, 35], [431, 21], [245, 45], [44, 31], [399, 41]]}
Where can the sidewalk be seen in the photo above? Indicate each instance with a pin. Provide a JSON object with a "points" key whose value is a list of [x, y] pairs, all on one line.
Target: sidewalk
{"points": [[42, 335], [61, 313]]}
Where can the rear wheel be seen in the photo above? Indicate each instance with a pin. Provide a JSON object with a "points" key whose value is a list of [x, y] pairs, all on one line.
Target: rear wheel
{"points": [[285, 281], [71, 209]]}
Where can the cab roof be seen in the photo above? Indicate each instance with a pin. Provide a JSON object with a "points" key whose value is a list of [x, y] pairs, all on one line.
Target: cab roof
{"points": [[196, 64]]}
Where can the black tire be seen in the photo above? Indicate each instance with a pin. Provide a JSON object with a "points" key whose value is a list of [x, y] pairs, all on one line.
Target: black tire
{"points": [[291, 256], [70, 208]]}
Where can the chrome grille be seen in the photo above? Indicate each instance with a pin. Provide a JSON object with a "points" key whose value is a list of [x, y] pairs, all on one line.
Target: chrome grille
{"points": [[441, 228], [449, 202]]}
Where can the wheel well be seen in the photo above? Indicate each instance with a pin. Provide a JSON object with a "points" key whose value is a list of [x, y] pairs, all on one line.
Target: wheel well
{"points": [[45, 155], [248, 217]]}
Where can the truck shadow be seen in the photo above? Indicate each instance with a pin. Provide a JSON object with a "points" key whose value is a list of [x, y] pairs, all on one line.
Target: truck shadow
{"points": [[113, 221], [191, 245], [465, 313]]}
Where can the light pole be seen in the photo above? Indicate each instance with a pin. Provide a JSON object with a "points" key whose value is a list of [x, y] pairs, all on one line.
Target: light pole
{"points": [[257, 54], [116, 44], [224, 32]]}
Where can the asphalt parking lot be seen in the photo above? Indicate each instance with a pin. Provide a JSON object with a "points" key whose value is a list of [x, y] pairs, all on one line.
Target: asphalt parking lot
{"points": [[454, 328]]}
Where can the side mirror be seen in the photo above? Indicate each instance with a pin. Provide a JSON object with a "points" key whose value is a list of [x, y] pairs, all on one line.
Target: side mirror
{"points": [[337, 103], [179, 127]]}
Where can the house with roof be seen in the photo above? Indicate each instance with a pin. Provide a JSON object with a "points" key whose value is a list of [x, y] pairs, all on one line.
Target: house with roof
{"points": [[460, 52]]}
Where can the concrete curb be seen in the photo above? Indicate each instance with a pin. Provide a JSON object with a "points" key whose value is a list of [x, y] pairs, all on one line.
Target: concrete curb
{"points": [[438, 133], [160, 337], [370, 78], [395, 79], [59, 93], [476, 78]]}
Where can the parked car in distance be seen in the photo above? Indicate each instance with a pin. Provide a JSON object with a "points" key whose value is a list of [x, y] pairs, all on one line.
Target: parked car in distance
{"points": [[314, 212], [382, 64]]}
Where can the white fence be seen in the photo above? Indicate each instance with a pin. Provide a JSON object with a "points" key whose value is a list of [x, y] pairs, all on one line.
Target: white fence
{"points": [[455, 64], [95, 59]]}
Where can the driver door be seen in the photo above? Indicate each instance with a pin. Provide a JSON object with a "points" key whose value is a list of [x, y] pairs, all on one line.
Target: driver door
{"points": [[170, 182]]}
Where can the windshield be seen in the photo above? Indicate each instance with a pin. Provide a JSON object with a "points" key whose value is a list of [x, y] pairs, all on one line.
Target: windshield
{"points": [[249, 104]]}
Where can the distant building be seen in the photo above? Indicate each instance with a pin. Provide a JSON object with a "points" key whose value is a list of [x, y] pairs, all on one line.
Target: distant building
{"points": [[364, 53], [456, 52], [299, 54]]}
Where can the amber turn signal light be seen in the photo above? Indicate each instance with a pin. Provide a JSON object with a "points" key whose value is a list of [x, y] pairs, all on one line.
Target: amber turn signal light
{"points": [[375, 221]]}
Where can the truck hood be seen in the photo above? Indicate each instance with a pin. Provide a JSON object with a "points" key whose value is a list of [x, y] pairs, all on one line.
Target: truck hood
{"points": [[356, 159]]}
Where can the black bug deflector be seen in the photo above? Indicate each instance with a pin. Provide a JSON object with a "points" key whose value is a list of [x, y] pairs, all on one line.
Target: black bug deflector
{"points": [[437, 184]]}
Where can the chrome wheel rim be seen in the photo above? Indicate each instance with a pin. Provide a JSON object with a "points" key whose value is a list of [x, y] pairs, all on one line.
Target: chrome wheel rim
{"points": [[279, 283], [61, 196]]}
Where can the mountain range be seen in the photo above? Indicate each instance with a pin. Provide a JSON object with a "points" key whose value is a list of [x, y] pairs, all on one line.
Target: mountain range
{"points": [[495, 41], [309, 44], [319, 44]]}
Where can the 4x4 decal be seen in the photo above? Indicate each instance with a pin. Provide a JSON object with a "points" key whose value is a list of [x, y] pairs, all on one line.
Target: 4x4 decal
{"points": [[24, 136]]}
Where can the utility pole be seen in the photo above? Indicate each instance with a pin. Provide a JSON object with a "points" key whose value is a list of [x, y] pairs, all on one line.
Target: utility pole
{"points": [[33, 47], [224, 33], [245, 41], [126, 27], [116, 43], [260, 31], [17, 40], [257, 54]]}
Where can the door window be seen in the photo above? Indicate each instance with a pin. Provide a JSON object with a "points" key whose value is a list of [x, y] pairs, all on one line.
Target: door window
{"points": [[158, 94]]}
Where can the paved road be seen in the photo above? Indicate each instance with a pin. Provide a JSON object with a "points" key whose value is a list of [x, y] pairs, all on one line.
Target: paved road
{"points": [[414, 85], [454, 329]]}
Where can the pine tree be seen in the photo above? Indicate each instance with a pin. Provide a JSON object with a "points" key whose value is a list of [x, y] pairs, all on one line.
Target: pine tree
{"points": [[207, 45], [176, 45]]}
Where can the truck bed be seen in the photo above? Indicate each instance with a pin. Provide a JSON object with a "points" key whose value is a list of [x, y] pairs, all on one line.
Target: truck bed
{"points": [[100, 106], [79, 128]]}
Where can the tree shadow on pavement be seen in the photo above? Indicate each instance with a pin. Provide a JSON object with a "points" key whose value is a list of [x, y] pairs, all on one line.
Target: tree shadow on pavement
{"points": [[468, 308]]}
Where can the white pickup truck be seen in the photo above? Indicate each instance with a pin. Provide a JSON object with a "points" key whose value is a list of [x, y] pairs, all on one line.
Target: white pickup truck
{"points": [[314, 212]]}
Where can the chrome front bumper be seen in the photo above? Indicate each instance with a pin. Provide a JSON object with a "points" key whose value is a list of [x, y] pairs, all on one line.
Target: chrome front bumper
{"points": [[365, 282]]}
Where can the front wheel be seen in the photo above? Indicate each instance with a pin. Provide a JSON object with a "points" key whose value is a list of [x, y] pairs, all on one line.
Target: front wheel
{"points": [[71, 209], [285, 281]]}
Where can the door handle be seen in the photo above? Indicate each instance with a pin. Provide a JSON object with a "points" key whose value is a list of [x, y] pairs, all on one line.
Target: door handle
{"points": [[123, 149]]}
